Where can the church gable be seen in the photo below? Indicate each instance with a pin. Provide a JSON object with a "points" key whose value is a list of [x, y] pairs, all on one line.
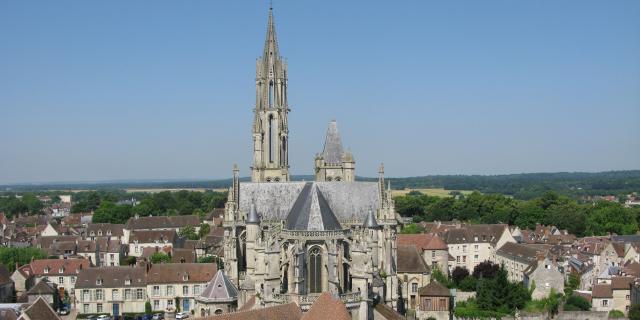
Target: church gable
{"points": [[311, 212]]}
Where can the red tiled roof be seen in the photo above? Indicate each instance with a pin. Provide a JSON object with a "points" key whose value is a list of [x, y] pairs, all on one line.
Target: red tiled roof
{"points": [[621, 283], [326, 307], [71, 266], [602, 291], [424, 241], [289, 311]]}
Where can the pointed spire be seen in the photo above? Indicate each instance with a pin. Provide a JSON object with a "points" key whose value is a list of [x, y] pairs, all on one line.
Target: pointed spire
{"points": [[271, 42], [235, 197], [253, 217], [371, 222], [333, 151], [383, 196]]}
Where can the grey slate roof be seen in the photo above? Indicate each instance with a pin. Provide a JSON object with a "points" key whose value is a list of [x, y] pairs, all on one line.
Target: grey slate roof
{"points": [[219, 289], [253, 215], [333, 151], [371, 222], [274, 201], [311, 211]]}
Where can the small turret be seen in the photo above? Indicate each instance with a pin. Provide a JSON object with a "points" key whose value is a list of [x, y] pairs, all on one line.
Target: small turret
{"points": [[253, 217], [370, 222]]}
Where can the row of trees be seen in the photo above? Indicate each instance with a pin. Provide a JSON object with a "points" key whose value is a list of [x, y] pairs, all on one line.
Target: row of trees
{"points": [[9, 257], [12, 205], [550, 209]]}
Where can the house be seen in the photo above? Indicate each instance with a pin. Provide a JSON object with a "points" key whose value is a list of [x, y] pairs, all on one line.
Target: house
{"points": [[177, 284], [42, 290], [219, 296], [49, 231], [433, 249], [111, 230], [114, 290], [39, 310], [621, 289], [543, 275], [62, 272], [413, 273], [158, 223], [602, 298], [584, 268], [434, 301], [140, 239], [23, 279], [470, 245], [102, 251], [6, 285], [516, 258]]}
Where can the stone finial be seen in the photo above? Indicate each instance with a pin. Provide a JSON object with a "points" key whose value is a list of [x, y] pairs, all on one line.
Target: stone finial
{"points": [[253, 217], [370, 222]]}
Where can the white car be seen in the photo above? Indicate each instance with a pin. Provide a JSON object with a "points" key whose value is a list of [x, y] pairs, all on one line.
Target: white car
{"points": [[182, 315], [104, 317]]}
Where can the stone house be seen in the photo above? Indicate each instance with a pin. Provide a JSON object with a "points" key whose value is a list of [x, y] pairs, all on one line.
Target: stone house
{"points": [[62, 272], [111, 230], [159, 223], [544, 275], [469, 245], [434, 250], [621, 289], [413, 274], [434, 302], [602, 298], [113, 290], [43, 289], [516, 258], [140, 239], [184, 281]]}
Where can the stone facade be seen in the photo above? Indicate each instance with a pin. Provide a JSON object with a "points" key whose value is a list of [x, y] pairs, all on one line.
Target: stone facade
{"points": [[334, 164]]}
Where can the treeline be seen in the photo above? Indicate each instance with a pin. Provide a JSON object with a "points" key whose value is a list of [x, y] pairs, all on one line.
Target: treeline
{"points": [[106, 208], [550, 209], [12, 205]]}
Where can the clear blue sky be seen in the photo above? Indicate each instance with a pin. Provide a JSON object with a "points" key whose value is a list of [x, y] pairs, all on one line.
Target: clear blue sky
{"points": [[106, 90]]}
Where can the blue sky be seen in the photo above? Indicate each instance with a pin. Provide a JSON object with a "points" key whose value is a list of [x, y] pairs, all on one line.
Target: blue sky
{"points": [[164, 89]]}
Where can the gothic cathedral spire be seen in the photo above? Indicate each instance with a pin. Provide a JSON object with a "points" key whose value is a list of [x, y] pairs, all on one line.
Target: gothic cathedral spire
{"points": [[270, 126]]}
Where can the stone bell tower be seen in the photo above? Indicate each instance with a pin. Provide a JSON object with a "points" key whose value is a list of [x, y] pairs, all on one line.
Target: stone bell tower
{"points": [[270, 126]]}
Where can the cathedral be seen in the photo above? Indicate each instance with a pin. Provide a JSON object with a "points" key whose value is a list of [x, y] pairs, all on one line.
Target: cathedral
{"points": [[289, 241]]}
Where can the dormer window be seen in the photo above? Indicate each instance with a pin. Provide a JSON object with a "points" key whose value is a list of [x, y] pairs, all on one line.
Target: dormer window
{"points": [[92, 233], [61, 270], [185, 277], [99, 281], [108, 232], [99, 232], [127, 282], [46, 269]]}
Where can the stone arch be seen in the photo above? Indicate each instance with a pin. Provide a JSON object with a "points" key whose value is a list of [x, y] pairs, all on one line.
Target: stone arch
{"points": [[315, 266]]}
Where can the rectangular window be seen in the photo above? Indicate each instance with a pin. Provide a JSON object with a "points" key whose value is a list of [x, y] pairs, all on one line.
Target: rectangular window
{"points": [[628, 297], [156, 304], [170, 303], [185, 290], [464, 258], [196, 289], [85, 308], [115, 294], [414, 287], [170, 291], [464, 249], [605, 303], [99, 294], [60, 280], [427, 304], [127, 294], [99, 308], [433, 254], [475, 257], [476, 247], [86, 296], [139, 294], [73, 279], [156, 290], [457, 259], [443, 304]]}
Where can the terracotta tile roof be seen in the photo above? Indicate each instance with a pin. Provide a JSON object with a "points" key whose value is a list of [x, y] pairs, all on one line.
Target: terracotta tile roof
{"points": [[621, 283], [387, 312], [183, 255], [326, 307], [8, 314], [619, 248], [69, 266], [174, 272], [289, 311], [434, 289], [602, 291], [632, 269], [111, 277], [249, 304], [105, 229], [42, 287], [424, 241], [410, 260], [153, 236], [40, 310], [162, 222], [47, 241], [586, 295]]}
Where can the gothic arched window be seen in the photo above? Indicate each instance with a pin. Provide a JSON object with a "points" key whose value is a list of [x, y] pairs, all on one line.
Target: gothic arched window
{"points": [[271, 133], [271, 94], [315, 270]]}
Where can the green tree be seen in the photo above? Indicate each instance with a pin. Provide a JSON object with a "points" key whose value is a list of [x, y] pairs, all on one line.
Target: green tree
{"points": [[188, 232], [634, 312], [412, 228], [458, 274], [204, 230], [577, 303], [9, 256], [207, 259], [159, 257], [147, 307], [613, 314]]}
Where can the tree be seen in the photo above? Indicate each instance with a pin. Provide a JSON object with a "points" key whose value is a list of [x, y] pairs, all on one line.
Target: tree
{"points": [[207, 259], [160, 257], [440, 277], [188, 232], [486, 269], [412, 228], [458, 274], [576, 303], [204, 230], [147, 307], [634, 312], [9, 256], [616, 314]]}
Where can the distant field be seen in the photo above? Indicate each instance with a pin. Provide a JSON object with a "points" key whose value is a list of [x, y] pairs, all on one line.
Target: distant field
{"points": [[434, 192], [156, 190]]}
